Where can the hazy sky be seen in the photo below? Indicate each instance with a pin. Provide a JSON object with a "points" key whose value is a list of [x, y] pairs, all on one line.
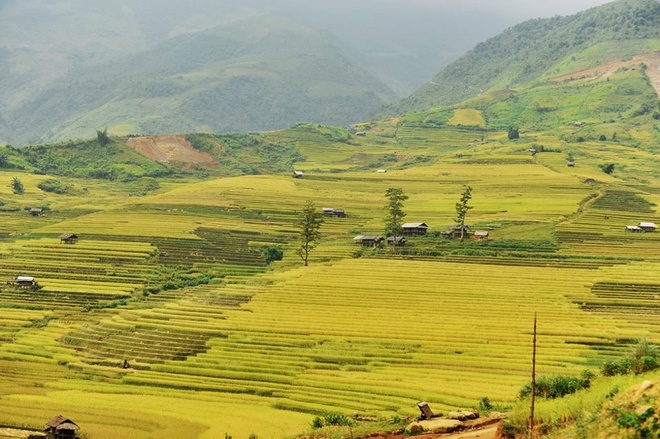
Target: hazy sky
{"points": [[522, 9]]}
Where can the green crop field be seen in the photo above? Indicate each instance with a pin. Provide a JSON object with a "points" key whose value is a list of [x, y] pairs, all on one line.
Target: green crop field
{"points": [[168, 273]]}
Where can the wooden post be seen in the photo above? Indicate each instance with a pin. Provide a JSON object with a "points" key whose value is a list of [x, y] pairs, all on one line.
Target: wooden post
{"points": [[531, 410]]}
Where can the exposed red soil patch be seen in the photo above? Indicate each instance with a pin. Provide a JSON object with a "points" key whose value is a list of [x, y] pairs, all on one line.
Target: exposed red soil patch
{"points": [[170, 149], [651, 60]]}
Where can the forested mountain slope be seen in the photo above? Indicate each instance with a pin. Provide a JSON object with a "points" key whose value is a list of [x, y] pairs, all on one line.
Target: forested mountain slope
{"points": [[261, 73], [536, 49]]}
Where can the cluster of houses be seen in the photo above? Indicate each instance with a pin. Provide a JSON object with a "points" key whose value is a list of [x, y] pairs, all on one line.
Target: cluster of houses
{"points": [[418, 229], [642, 227]]}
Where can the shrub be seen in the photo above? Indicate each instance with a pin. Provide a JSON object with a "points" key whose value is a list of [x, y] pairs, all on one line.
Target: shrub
{"points": [[331, 419], [607, 168], [644, 357], [17, 186], [513, 133], [54, 186], [558, 386], [272, 253], [485, 405]]}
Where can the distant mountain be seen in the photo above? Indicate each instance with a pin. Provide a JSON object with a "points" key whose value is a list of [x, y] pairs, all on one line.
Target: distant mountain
{"points": [[44, 42], [538, 49], [258, 74]]}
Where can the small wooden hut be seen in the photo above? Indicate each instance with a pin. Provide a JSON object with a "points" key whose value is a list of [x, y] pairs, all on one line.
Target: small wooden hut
{"points": [[61, 428], [68, 238], [647, 226], [368, 240], [25, 281], [36, 211]]}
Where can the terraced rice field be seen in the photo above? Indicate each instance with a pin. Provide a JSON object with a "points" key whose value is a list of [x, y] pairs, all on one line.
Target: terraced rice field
{"points": [[220, 343]]}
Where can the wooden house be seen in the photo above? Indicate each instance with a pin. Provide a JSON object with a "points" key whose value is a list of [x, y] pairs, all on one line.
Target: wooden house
{"points": [[570, 163], [336, 213], [400, 240], [68, 238], [414, 229], [61, 428], [36, 211], [634, 229], [25, 282], [647, 226], [298, 174], [368, 240], [480, 235], [455, 231], [360, 133]]}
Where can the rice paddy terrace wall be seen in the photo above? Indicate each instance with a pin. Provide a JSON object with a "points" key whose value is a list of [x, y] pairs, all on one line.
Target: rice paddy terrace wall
{"points": [[220, 343]]}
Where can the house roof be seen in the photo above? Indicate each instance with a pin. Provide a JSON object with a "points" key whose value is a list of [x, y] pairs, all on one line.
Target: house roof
{"points": [[68, 236], [481, 233], [367, 238], [59, 422], [36, 209], [24, 279], [647, 224], [633, 228], [415, 226], [298, 172]]}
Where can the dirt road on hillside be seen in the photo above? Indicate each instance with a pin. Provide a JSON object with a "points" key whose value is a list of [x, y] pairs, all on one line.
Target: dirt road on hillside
{"points": [[651, 60]]}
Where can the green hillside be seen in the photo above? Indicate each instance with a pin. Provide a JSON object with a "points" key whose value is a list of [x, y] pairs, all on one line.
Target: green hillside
{"points": [[262, 73], [533, 50]]}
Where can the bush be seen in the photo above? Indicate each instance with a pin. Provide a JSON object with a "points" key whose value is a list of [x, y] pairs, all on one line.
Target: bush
{"points": [[644, 357], [513, 133], [17, 187], [54, 186], [272, 253], [558, 386], [331, 419], [607, 168]]}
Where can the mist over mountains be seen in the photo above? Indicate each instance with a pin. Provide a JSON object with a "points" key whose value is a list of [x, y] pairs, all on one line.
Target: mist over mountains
{"points": [[70, 67]]}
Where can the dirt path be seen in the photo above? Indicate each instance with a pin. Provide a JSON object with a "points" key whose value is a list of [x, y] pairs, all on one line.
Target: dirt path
{"points": [[651, 60]]}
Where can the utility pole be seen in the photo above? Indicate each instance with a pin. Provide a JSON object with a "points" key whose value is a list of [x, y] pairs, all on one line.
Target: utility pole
{"points": [[531, 410]]}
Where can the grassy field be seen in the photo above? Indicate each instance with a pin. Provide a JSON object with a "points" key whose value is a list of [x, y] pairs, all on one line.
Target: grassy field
{"points": [[172, 280]]}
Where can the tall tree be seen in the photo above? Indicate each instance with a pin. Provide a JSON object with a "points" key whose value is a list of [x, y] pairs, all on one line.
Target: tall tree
{"points": [[395, 214], [462, 209], [309, 222]]}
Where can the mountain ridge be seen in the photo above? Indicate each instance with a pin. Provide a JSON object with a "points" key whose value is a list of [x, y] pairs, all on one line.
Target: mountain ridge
{"points": [[524, 53]]}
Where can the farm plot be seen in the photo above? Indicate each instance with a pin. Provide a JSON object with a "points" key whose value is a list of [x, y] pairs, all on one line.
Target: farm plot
{"points": [[71, 279], [371, 336]]}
